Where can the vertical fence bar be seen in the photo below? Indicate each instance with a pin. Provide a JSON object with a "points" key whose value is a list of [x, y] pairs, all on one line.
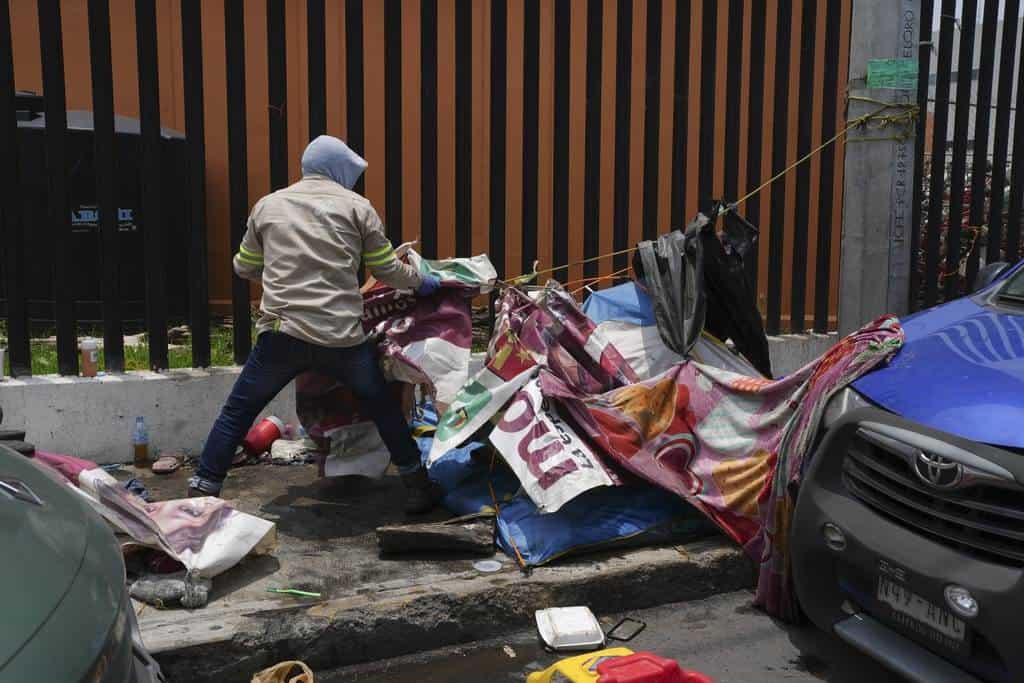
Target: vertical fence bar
{"points": [[393, 119], [1012, 251], [464, 128], [55, 104], [195, 132], [623, 89], [830, 90], [924, 60], [12, 237], [499, 98], [238, 182], [277, 92], [106, 180], [592, 168], [355, 79], [936, 187], [961, 120], [778, 189], [530, 137], [733, 77], [680, 104], [151, 180], [798, 295], [652, 118], [316, 30], [983, 114], [560, 155], [755, 127], [428, 139], [708, 82], [1000, 145]]}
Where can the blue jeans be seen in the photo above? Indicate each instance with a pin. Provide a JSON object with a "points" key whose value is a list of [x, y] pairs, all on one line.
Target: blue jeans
{"points": [[276, 360]]}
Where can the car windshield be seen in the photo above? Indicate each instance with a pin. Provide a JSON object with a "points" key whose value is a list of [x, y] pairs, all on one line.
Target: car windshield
{"points": [[1014, 288]]}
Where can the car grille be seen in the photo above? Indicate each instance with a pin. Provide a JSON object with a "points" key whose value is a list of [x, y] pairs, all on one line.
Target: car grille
{"points": [[983, 519]]}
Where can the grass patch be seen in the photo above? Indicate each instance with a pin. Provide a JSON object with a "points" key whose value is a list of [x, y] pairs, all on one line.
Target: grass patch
{"points": [[44, 354]]}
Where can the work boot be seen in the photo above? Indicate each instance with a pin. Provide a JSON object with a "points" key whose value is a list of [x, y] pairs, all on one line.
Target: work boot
{"points": [[200, 488], [421, 494]]}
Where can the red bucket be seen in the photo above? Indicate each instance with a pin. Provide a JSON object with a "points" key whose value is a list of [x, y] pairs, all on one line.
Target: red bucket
{"points": [[262, 435]]}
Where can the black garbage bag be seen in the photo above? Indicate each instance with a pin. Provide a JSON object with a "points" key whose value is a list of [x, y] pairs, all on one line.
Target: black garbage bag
{"points": [[731, 298], [698, 282]]}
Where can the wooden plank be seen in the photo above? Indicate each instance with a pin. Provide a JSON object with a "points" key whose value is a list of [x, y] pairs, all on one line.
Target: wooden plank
{"points": [[474, 536]]}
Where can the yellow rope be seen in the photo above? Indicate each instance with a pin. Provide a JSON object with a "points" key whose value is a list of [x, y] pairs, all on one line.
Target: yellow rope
{"points": [[909, 114], [859, 121]]}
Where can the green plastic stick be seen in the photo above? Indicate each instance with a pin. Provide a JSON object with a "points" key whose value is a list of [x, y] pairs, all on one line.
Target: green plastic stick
{"points": [[293, 591]]}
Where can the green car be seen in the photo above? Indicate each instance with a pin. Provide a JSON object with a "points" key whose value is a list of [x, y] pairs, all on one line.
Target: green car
{"points": [[66, 615]]}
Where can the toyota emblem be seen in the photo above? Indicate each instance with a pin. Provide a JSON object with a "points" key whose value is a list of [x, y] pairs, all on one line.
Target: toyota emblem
{"points": [[938, 472]]}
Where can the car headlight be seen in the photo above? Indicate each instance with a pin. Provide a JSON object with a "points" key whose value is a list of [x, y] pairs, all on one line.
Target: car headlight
{"points": [[841, 403]]}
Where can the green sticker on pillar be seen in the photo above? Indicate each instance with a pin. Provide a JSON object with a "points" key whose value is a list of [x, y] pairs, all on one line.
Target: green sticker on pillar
{"points": [[894, 74]]}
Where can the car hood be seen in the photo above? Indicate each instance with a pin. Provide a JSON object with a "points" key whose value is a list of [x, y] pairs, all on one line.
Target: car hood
{"points": [[43, 545], [961, 370]]}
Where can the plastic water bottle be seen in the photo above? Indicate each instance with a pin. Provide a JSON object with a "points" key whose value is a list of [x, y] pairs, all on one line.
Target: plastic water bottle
{"points": [[140, 443]]}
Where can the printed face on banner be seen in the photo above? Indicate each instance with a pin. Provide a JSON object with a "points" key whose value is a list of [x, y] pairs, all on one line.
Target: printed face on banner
{"points": [[552, 462]]}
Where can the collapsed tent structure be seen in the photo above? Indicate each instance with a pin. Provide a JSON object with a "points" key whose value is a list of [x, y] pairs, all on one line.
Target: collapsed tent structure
{"points": [[618, 421]]}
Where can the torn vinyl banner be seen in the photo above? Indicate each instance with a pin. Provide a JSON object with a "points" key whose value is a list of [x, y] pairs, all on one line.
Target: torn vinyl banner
{"points": [[549, 458]]}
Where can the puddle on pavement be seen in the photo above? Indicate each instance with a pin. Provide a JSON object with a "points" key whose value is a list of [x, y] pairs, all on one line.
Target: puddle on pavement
{"points": [[460, 664]]}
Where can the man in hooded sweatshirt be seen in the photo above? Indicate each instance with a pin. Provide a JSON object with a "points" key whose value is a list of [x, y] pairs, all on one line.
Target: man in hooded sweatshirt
{"points": [[305, 243]]}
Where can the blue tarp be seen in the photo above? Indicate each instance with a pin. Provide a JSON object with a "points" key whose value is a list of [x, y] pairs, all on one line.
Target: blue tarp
{"points": [[625, 302], [620, 515]]}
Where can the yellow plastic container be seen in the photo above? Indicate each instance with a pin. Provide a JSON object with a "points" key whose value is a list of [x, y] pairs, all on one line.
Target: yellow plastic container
{"points": [[578, 669]]}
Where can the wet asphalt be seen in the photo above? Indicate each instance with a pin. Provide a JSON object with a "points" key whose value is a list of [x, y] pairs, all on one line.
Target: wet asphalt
{"points": [[722, 637]]}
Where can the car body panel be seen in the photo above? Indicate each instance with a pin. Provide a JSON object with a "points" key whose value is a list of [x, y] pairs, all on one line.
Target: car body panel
{"points": [[961, 370], [832, 584], [44, 546], [71, 605]]}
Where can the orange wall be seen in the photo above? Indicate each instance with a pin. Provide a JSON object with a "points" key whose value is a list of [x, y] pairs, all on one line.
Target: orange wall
{"points": [[28, 76]]}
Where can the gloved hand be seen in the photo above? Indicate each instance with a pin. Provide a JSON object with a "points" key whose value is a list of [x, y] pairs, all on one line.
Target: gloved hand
{"points": [[428, 285]]}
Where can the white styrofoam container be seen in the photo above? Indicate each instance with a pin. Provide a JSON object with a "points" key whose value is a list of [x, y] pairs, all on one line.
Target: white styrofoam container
{"points": [[569, 628]]}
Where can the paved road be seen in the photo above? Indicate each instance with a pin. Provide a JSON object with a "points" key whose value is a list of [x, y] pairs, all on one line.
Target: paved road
{"points": [[722, 637]]}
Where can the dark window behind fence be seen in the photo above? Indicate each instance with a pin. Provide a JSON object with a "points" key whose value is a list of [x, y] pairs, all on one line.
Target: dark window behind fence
{"points": [[970, 146], [550, 130]]}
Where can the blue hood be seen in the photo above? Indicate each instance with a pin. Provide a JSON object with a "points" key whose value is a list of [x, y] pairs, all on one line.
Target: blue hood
{"points": [[961, 370]]}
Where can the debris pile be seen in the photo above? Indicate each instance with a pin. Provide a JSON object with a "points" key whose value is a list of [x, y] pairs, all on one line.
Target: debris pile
{"points": [[620, 420]]}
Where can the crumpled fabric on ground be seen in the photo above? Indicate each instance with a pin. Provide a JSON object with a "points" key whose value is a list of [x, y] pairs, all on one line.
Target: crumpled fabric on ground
{"points": [[206, 534], [279, 672], [165, 590], [730, 445]]}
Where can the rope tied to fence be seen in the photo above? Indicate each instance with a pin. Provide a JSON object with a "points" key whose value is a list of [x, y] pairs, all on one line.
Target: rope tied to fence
{"points": [[905, 114]]}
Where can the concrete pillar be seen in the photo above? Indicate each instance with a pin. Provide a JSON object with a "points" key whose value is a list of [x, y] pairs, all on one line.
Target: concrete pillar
{"points": [[874, 275]]}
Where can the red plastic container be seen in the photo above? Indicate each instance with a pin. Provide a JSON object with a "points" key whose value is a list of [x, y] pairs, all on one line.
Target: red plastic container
{"points": [[644, 667], [262, 435]]}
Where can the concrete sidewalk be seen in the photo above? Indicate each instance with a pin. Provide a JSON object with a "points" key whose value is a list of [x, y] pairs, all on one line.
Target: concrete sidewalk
{"points": [[375, 607]]}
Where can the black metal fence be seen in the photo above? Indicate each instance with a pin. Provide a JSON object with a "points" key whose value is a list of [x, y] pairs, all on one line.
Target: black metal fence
{"points": [[634, 140], [962, 216], [153, 208]]}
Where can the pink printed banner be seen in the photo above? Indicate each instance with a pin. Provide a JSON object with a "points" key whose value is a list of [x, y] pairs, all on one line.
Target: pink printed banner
{"points": [[545, 329], [727, 443]]}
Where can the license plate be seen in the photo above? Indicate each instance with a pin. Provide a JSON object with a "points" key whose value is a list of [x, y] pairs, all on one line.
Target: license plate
{"points": [[921, 617]]}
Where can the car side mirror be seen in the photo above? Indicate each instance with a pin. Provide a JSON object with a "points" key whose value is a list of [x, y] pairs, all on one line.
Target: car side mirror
{"points": [[988, 275]]}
